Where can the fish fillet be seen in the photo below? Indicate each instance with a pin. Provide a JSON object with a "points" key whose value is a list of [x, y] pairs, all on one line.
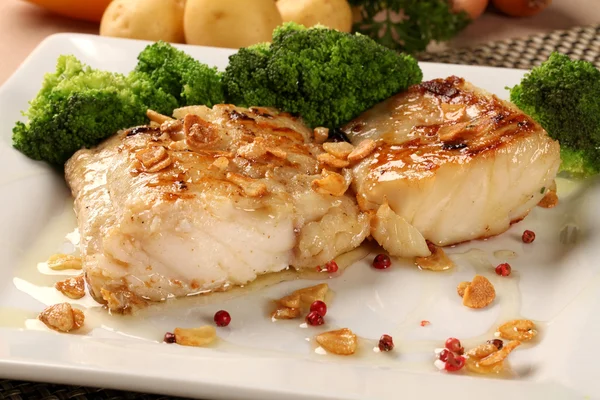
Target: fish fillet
{"points": [[201, 203], [453, 162]]}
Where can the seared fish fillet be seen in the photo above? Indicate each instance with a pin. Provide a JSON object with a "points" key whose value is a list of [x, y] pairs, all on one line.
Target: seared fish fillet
{"points": [[452, 162], [207, 201]]}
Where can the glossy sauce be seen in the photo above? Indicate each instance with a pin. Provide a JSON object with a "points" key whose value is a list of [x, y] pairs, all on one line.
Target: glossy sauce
{"points": [[505, 254], [37, 280], [413, 355], [437, 261]]}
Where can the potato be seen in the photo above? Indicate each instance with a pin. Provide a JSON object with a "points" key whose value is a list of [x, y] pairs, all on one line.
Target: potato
{"points": [[335, 14], [144, 19], [230, 23]]}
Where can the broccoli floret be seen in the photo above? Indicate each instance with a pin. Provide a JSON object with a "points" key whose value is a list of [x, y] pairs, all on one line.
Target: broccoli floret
{"points": [[563, 96], [326, 76], [246, 77], [149, 95], [185, 78], [79, 107]]}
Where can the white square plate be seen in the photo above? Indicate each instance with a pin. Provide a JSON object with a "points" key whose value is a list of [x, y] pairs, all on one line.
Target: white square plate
{"points": [[555, 283]]}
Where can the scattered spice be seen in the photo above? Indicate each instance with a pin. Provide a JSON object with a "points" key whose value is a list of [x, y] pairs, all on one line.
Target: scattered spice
{"points": [[504, 269], [331, 267], [451, 356], [444, 354], [169, 337], [454, 364], [222, 318], [314, 319], [453, 344], [386, 343], [528, 236], [425, 323], [382, 261], [319, 307]]}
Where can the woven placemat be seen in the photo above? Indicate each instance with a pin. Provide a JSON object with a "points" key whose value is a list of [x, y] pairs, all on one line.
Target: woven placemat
{"points": [[579, 43], [20, 390]]}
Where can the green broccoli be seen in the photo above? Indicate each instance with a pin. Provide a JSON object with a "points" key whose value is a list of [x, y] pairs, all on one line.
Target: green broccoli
{"points": [[246, 79], [326, 76], [148, 95], [79, 107], [189, 81], [563, 96]]}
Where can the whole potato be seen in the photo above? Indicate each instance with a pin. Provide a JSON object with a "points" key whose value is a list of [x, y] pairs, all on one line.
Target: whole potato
{"points": [[335, 14], [144, 19], [230, 23]]}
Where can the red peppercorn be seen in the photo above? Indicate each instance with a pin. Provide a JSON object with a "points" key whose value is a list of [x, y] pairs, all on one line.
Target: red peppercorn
{"points": [[169, 337], [445, 354], [222, 318], [454, 364], [503, 269], [331, 267], [497, 343], [386, 343], [382, 261], [528, 236], [319, 307], [453, 344], [314, 319]]}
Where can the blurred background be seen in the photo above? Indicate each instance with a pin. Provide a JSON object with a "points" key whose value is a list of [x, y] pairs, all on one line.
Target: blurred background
{"points": [[415, 26]]}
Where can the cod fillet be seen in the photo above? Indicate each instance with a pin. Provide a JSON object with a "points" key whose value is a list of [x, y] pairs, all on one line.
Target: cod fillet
{"points": [[452, 163], [204, 202]]}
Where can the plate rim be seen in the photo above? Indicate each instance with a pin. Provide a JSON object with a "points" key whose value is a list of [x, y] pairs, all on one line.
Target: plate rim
{"points": [[62, 373]]}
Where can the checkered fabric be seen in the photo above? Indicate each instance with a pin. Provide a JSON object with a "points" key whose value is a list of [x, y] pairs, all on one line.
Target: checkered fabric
{"points": [[581, 43]]}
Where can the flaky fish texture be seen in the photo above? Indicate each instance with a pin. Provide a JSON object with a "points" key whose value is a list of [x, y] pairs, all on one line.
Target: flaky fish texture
{"points": [[204, 202], [452, 161]]}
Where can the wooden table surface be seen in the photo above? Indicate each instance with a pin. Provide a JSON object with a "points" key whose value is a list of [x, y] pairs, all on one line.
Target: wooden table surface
{"points": [[23, 26]]}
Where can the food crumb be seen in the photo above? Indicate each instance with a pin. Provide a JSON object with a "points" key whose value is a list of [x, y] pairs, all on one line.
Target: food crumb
{"points": [[549, 200], [425, 323], [480, 293], [73, 287], [62, 317]]}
